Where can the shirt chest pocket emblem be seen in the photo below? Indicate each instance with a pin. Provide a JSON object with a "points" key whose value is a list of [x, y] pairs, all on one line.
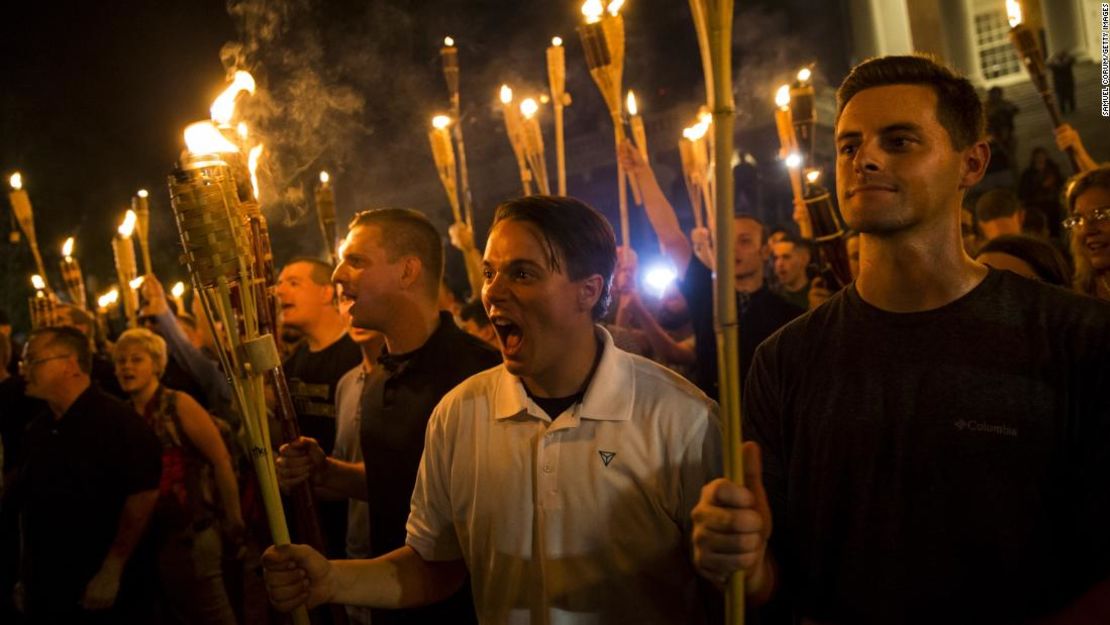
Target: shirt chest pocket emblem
{"points": [[606, 456]]}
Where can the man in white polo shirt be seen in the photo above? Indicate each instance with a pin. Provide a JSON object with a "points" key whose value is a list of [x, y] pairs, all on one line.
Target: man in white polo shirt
{"points": [[563, 479]]}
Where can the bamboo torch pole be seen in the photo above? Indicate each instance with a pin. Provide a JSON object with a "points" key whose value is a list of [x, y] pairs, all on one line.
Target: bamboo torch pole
{"points": [[556, 77], [141, 205], [513, 128], [450, 56], [21, 208], [444, 155], [719, 16]]}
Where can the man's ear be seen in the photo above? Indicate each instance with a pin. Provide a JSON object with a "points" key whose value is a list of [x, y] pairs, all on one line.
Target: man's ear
{"points": [[412, 271], [974, 164], [589, 291]]}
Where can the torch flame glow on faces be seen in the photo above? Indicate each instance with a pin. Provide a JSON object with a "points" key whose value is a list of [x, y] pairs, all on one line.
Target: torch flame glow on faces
{"points": [[556, 41], [794, 160], [804, 74], [252, 164], [782, 97], [38, 282], [449, 42], [67, 247], [439, 122], [631, 103], [615, 7], [528, 108], [136, 283], [16, 181], [1013, 12], [506, 94], [592, 9], [128, 226], [223, 107], [204, 138]]}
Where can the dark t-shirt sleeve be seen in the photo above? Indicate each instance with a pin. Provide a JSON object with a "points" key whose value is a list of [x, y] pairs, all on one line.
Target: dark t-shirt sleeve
{"points": [[141, 452]]}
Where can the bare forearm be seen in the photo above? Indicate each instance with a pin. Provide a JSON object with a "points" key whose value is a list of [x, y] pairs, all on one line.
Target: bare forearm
{"points": [[341, 479], [665, 223], [132, 522], [399, 579]]}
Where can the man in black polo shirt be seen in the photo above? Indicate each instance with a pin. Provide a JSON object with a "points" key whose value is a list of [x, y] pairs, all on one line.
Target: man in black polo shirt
{"points": [[390, 274], [86, 492], [760, 311]]}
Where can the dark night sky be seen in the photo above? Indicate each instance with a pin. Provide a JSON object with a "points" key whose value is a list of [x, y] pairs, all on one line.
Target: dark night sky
{"points": [[96, 94]]}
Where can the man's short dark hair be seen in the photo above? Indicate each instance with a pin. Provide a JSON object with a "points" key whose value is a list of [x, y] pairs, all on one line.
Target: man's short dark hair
{"points": [[959, 109], [70, 339], [996, 204], [1043, 257], [407, 233], [764, 233], [803, 244], [321, 270], [574, 233]]}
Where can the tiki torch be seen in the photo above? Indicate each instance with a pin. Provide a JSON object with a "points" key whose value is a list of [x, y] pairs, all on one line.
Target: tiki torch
{"points": [[716, 17], [603, 42], [1029, 51], [126, 268], [141, 206], [443, 153], [557, 78], [803, 114], [514, 130], [21, 208], [792, 157], [42, 305], [177, 291], [450, 55], [533, 144], [104, 306], [639, 137], [71, 275], [325, 214], [221, 263]]}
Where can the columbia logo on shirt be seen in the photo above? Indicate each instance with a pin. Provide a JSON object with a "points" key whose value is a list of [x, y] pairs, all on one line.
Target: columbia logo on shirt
{"points": [[978, 426]]}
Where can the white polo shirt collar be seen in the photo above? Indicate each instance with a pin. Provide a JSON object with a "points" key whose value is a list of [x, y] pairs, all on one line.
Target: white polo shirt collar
{"points": [[606, 397]]}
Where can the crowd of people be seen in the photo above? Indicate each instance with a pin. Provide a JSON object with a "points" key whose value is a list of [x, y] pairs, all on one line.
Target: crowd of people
{"points": [[928, 444]]}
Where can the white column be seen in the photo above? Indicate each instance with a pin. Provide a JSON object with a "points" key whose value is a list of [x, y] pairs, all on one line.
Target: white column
{"points": [[880, 27], [959, 39], [1062, 26]]}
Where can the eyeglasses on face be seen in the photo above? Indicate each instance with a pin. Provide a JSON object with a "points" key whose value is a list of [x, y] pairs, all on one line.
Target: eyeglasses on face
{"points": [[1099, 215]]}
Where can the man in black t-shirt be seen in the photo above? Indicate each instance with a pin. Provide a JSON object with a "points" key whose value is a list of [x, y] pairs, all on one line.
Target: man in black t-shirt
{"points": [[390, 275], [932, 445], [86, 492], [308, 303]]}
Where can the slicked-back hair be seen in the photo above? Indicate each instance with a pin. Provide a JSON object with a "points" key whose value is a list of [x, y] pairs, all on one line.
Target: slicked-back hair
{"points": [[406, 232], [579, 241], [70, 339], [321, 270], [959, 109]]}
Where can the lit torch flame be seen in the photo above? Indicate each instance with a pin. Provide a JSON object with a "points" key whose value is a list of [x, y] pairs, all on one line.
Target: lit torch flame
{"points": [[556, 41], [16, 181], [67, 247], [1013, 12], [782, 97], [204, 138], [178, 290], [794, 160], [449, 42], [242, 130], [142, 193], [804, 74], [695, 132], [107, 299], [324, 177], [38, 282], [528, 108], [813, 176], [592, 9], [136, 283], [631, 103], [128, 226], [506, 94], [439, 122], [223, 107], [252, 164], [615, 7]]}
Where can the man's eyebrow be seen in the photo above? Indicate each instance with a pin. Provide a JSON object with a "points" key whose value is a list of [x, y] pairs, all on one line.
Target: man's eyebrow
{"points": [[896, 127], [515, 263]]}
